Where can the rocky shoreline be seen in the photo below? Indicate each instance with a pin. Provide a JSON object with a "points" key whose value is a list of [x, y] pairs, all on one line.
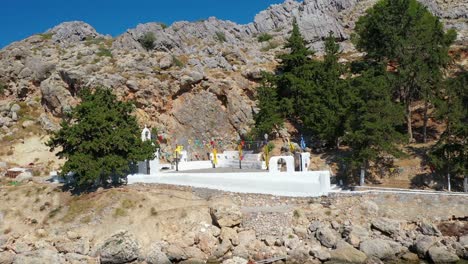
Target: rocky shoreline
{"points": [[368, 228]]}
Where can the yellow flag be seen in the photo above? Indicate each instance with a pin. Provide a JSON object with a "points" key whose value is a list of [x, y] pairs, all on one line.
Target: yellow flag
{"points": [[179, 149], [291, 146], [215, 157], [267, 155]]}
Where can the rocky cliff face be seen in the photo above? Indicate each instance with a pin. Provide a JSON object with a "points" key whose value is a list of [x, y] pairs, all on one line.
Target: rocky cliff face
{"points": [[197, 82]]}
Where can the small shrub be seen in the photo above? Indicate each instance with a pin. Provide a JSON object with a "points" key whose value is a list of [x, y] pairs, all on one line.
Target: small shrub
{"points": [[54, 212], [177, 62], [270, 146], [104, 52], [296, 214], [127, 204], [3, 88], [153, 212], [163, 25], [220, 36], [46, 36], [147, 41], [271, 45], [36, 173], [328, 213], [9, 152], [86, 219], [183, 214], [120, 212], [93, 41], [264, 37], [7, 231]]}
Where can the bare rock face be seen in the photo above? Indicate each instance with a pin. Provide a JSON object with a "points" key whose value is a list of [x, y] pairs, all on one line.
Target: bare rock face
{"points": [[73, 31], [315, 18]]}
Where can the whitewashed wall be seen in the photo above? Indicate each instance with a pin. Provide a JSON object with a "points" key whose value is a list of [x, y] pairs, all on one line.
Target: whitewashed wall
{"points": [[297, 184]]}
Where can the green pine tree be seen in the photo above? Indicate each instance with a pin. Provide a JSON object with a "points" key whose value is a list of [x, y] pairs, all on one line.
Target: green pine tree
{"points": [[371, 129], [289, 82], [326, 111], [268, 117], [298, 54], [100, 140], [404, 34], [449, 155]]}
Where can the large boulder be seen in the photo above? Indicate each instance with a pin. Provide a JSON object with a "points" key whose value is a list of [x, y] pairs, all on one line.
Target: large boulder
{"points": [[226, 216], [326, 236], [222, 249], [429, 229], [246, 237], [422, 245], [55, 94], [235, 260], [73, 258], [47, 124], [369, 207], [175, 253], [355, 234], [442, 255], [464, 241], [320, 253], [156, 256], [73, 31], [387, 226], [43, 256], [206, 242], [379, 248], [229, 234], [122, 247], [15, 108], [194, 253], [6, 257], [347, 254], [24, 177], [80, 246]]}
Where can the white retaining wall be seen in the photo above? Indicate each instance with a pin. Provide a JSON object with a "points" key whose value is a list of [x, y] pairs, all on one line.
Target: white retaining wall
{"points": [[296, 184]]}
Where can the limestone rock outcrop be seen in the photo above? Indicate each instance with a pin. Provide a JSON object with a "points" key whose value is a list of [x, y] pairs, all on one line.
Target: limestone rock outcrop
{"points": [[198, 82]]}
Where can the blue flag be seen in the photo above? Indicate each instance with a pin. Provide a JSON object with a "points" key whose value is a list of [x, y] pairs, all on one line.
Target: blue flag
{"points": [[303, 144]]}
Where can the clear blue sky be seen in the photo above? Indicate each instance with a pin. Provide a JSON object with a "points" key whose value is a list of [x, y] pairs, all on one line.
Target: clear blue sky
{"points": [[22, 18]]}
